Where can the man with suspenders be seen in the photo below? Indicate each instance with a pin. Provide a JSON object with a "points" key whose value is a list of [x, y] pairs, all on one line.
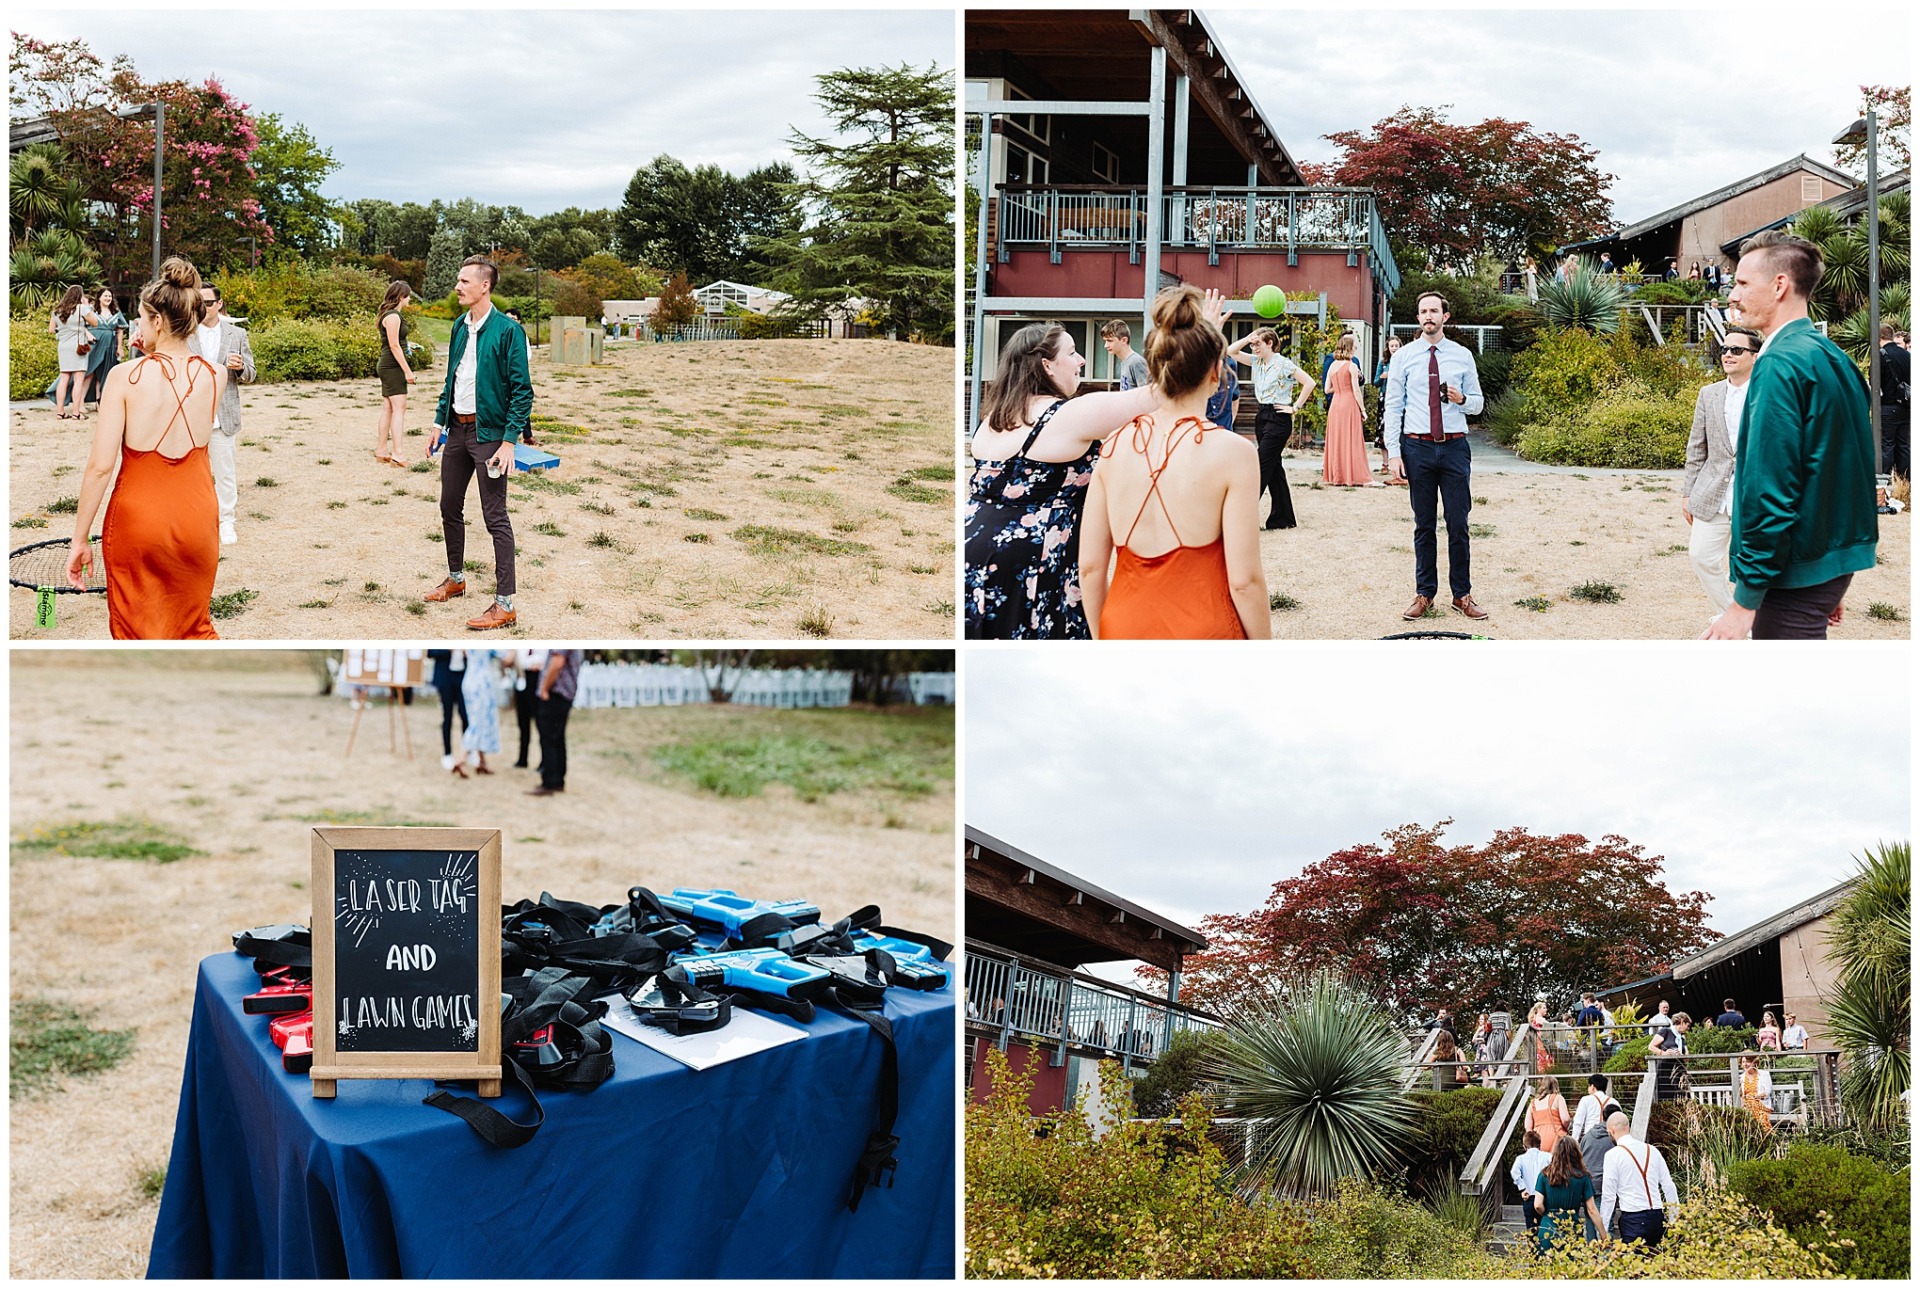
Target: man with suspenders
{"points": [[1637, 1182]]}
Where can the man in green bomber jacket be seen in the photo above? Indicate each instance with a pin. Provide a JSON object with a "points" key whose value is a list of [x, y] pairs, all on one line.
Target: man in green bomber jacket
{"points": [[483, 409], [1803, 505]]}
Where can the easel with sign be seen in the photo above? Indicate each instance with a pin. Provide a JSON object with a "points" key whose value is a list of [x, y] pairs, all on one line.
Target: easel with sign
{"points": [[392, 670]]}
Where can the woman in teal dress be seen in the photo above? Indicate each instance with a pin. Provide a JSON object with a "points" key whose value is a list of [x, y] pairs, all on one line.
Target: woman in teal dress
{"points": [[105, 354], [1566, 1192]]}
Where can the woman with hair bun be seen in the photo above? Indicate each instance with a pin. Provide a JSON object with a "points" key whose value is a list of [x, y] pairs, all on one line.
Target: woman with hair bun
{"points": [[1033, 457], [161, 538], [1182, 494]]}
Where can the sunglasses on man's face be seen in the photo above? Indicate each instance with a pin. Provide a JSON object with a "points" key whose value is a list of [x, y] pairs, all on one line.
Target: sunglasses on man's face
{"points": [[1734, 351]]}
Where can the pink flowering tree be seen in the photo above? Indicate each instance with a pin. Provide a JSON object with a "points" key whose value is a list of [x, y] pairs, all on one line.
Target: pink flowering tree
{"points": [[208, 203]]}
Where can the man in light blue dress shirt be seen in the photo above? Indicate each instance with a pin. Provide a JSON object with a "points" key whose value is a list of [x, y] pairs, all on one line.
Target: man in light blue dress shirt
{"points": [[1432, 387]]}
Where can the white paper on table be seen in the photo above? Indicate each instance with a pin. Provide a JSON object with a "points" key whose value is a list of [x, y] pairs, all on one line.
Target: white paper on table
{"points": [[748, 1032]]}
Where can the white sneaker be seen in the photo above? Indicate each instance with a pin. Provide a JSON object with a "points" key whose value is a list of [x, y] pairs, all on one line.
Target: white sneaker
{"points": [[227, 536]]}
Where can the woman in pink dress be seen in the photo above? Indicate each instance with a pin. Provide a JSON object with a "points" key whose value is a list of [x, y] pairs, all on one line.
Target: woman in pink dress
{"points": [[1345, 464]]}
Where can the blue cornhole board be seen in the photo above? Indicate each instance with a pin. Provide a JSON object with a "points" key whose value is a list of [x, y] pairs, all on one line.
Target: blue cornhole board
{"points": [[526, 458]]}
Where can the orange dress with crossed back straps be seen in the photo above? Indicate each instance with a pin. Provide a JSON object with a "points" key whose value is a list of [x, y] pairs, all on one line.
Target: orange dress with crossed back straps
{"points": [[1180, 595], [160, 542]]}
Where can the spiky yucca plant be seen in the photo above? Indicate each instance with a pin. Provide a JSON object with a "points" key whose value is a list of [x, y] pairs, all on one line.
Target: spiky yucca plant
{"points": [[1588, 300], [1317, 1064], [1870, 1010]]}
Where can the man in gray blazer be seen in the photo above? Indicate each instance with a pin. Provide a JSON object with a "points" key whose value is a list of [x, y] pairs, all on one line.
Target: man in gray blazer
{"points": [[1706, 493], [223, 343]]}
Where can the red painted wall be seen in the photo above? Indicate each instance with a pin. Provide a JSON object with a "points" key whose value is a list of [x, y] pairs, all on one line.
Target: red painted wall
{"points": [[1049, 1082], [1091, 274]]}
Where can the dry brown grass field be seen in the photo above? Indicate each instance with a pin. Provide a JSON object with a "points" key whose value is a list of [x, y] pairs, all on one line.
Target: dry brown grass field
{"points": [[1537, 535], [723, 489], [234, 755]]}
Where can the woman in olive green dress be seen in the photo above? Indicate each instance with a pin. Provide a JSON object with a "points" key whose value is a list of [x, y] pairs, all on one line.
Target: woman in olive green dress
{"points": [[395, 374]]}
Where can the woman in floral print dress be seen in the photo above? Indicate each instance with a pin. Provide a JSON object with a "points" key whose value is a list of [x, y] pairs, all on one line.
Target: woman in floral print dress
{"points": [[1033, 457]]}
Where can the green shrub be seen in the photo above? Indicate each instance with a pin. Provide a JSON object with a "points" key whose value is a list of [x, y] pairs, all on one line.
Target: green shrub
{"points": [[33, 359], [1867, 1205], [1045, 1198], [1368, 1233], [292, 289], [294, 350], [1505, 416], [1706, 1040], [356, 345], [1631, 427], [1181, 1069], [1495, 369], [1450, 1126], [760, 326], [339, 292], [1629, 1057], [1565, 368], [1679, 291]]}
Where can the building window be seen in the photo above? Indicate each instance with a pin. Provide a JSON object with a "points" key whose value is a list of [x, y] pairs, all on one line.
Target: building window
{"points": [[1105, 164], [1023, 167], [1039, 127], [1809, 188]]}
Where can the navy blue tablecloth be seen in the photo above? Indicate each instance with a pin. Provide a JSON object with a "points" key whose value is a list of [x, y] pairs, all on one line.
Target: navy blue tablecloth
{"points": [[740, 1170]]}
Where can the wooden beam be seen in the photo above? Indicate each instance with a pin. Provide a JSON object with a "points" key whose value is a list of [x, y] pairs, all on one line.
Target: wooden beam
{"points": [[1204, 83], [993, 880]]}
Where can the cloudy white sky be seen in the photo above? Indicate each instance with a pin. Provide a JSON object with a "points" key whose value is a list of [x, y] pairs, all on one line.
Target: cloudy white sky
{"points": [[1678, 102], [1190, 779], [541, 109]]}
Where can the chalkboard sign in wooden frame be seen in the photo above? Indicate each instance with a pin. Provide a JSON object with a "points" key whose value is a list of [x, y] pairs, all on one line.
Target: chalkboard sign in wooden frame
{"points": [[406, 955]]}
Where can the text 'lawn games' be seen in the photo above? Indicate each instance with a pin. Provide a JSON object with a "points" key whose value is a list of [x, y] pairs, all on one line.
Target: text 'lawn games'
{"points": [[406, 955]]}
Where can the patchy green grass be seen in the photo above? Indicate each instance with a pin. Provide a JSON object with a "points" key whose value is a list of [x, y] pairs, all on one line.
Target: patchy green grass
{"points": [[233, 603], [1481, 530], [266, 481], [150, 1182], [1881, 611], [30, 521], [1280, 600], [701, 512], [382, 818], [767, 540], [114, 839], [541, 481], [1596, 593], [931, 473], [1534, 603], [64, 506], [907, 490], [698, 539], [50, 1041], [906, 753], [548, 528], [816, 622]]}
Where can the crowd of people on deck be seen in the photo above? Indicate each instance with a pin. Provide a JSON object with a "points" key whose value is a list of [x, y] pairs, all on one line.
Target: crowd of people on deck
{"points": [[1135, 512], [1582, 1169]]}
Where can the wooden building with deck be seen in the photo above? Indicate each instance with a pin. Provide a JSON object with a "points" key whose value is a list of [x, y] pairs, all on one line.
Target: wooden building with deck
{"points": [[1030, 928]]}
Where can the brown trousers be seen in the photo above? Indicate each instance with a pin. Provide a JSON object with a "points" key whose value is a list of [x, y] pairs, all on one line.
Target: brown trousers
{"points": [[462, 459]]}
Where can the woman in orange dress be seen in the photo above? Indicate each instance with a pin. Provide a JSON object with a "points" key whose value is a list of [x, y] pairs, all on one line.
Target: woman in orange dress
{"points": [[161, 538], [1547, 1113], [1345, 463], [1182, 495]]}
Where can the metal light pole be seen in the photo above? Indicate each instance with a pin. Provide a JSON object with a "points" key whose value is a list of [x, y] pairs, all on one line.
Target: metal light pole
{"points": [[158, 111], [253, 252], [536, 304], [1866, 128]]}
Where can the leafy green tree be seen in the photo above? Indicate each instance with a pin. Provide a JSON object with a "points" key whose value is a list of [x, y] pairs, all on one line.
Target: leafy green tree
{"points": [[383, 228], [1841, 298], [880, 200], [1871, 1010], [1317, 1064], [677, 218], [444, 254], [289, 168]]}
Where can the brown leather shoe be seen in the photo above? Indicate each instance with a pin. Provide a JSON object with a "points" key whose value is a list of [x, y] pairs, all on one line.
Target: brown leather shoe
{"points": [[1418, 609], [447, 589], [1464, 604], [495, 616]]}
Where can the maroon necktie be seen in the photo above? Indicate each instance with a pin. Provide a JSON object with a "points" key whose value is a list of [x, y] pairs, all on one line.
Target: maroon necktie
{"points": [[1433, 387]]}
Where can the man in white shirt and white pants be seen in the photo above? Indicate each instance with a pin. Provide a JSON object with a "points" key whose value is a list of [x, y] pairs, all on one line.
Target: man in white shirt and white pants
{"points": [[222, 343], [1637, 1184], [1706, 490]]}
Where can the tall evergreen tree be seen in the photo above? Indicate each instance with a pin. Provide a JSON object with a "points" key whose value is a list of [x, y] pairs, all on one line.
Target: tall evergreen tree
{"points": [[881, 199]]}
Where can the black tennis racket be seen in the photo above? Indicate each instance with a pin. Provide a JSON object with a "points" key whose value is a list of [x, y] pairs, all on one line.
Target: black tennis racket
{"points": [[1436, 635], [43, 566]]}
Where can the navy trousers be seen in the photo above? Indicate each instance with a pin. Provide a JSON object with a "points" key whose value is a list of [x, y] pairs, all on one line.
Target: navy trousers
{"points": [[1443, 473], [1648, 1225]]}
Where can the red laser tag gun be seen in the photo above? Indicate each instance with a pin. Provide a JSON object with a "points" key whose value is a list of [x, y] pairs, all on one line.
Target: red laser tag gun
{"points": [[282, 990], [293, 1035], [541, 1044]]}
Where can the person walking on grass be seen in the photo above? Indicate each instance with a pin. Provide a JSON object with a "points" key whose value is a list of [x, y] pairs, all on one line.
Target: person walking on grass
{"points": [[1803, 481], [484, 408], [222, 342], [1433, 386]]}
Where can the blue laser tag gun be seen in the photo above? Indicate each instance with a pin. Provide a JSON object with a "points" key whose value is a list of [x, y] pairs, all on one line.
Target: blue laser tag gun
{"points": [[763, 971], [896, 948], [875, 971], [674, 1003], [787, 925]]}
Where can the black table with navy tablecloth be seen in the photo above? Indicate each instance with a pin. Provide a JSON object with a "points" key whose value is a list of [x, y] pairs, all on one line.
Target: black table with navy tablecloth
{"points": [[662, 1171]]}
